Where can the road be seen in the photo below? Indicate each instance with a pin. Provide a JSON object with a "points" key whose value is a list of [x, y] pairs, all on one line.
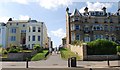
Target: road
{"points": [[55, 61]]}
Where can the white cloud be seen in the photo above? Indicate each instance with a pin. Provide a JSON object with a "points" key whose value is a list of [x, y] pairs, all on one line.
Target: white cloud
{"points": [[58, 33], [21, 1], [4, 19], [51, 4], [96, 6], [22, 17]]}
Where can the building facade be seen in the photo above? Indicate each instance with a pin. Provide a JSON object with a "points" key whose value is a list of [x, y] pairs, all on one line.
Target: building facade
{"points": [[92, 25], [36, 34], [3, 34], [25, 33]]}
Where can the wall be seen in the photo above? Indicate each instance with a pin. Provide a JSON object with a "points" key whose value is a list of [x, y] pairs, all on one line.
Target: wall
{"points": [[82, 52], [102, 57], [20, 56]]}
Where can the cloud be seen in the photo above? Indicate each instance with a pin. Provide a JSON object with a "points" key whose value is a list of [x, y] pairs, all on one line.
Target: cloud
{"points": [[4, 19], [51, 4], [96, 6], [22, 17], [21, 1], [58, 33]]}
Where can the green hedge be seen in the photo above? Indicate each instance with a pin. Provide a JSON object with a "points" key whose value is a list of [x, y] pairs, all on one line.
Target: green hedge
{"points": [[118, 48], [101, 47]]}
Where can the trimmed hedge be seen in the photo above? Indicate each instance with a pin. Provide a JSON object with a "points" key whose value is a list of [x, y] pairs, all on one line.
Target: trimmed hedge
{"points": [[101, 47], [118, 48]]}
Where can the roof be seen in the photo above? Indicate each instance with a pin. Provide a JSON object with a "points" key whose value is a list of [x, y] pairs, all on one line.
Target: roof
{"points": [[76, 12], [19, 21]]}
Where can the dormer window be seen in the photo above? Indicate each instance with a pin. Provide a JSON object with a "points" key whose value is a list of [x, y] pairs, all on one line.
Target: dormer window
{"points": [[76, 18]]}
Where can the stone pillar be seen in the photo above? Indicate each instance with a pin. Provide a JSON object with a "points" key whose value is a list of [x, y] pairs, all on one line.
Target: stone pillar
{"points": [[84, 51]]}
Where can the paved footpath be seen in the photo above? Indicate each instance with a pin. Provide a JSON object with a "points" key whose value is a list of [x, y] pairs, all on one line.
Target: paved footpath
{"points": [[55, 61]]}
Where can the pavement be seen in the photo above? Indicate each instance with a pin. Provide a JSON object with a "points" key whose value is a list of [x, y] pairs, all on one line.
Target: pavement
{"points": [[55, 61]]}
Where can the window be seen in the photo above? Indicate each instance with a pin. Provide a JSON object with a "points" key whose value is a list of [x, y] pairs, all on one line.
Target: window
{"points": [[23, 25], [16, 23], [98, 37], [38, 38], [33, 38], [87, 39], [32, 46], [77, 37], [10, 24], [13, 38], [29, 38], [38, 29], [29, 29], [106, 27], [13, 30], [33, 29], [76, 18], [23, 31], [77, 27], [0, 30]]}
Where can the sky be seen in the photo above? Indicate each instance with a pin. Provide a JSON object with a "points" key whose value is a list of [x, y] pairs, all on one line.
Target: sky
{"points": [[51, 12]]}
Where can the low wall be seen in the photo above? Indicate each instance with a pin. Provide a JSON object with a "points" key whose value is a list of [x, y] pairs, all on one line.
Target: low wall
{"points": [[21, 55], [77, 50], [102, 57]]}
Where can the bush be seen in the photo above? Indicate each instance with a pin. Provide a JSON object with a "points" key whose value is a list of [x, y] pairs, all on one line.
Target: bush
{"points": [[118, 48], [38, 48], [4, 51], [14, 49], [76, 42], [101, 47]]}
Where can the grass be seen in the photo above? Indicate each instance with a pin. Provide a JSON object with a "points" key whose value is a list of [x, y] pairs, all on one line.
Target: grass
{"points": [[0, 50], [39, 56], [66, 53], [26, 51]]}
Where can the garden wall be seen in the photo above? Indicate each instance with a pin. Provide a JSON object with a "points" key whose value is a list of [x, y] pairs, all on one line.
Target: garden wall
{"points": [[21, 55], [102, 57], [82, 52]]}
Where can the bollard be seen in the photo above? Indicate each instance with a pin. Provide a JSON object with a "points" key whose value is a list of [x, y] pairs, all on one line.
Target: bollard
{"points": [[108, 61], [90, 68], [69, 62], [27, 63]]}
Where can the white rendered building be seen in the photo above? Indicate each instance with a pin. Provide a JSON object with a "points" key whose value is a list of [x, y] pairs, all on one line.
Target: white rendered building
{"points": [[3, 34]]}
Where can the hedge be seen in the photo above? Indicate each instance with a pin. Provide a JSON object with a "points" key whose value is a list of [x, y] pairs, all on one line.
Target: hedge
{"points": [[101, 47]]}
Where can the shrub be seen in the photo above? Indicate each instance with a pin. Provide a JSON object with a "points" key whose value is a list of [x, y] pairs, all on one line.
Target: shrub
{"points": [[118, 48], [102, 47], [38, 48], [14, 49], [76, 42], [4, 51]]}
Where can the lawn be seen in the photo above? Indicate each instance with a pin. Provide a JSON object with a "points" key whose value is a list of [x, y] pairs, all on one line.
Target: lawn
{"points": [[39, 56], [26, 51], [0, 50], [66, 53]]}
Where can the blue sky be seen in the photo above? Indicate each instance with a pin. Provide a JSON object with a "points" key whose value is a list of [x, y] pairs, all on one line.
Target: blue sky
{"points": [[52, 12]]}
